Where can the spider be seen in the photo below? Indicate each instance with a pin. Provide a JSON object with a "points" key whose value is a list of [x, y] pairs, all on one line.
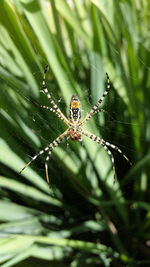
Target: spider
{"points": [[74, 123]]}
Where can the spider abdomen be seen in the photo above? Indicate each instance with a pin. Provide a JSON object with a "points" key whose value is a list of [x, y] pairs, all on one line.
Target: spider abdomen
{"points": [[76, 113], [75, 109]]}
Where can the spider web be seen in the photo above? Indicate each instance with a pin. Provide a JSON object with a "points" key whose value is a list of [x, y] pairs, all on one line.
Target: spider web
{"points": [[108, 129], [111, 120]]}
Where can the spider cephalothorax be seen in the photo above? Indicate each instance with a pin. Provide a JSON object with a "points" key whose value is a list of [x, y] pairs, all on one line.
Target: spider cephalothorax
{"points": [[74, 134], [75, 130]]}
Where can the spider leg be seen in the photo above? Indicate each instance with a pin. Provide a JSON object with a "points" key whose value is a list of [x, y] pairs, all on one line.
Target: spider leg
{"points": [[111, 157], [118, 150], [48, 108], [96, 106], [96, 111], [55, 143], [53, 110], [34, 158], [55, 107], [42, 106], [46, 149], [105, 145]]}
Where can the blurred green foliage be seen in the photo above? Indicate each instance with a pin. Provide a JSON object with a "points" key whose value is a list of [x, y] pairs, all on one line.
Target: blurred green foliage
{"points": [[83, 219]]}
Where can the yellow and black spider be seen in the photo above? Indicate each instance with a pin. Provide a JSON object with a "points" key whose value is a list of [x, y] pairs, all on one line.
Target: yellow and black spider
{"points": [[74, 123]]}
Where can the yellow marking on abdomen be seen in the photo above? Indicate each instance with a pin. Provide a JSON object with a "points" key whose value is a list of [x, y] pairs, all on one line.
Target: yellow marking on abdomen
{"points": [[75, 104]]}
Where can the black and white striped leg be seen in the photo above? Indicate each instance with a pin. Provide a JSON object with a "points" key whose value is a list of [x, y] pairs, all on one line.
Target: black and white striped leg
{"points": [[34, 158], [96, 111], [45, 107], [46, 149], [100, 141], [96, 106], [103, 143], [118, 150], [53, 110], [54, 105], [55, 143], [48, 108]]}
